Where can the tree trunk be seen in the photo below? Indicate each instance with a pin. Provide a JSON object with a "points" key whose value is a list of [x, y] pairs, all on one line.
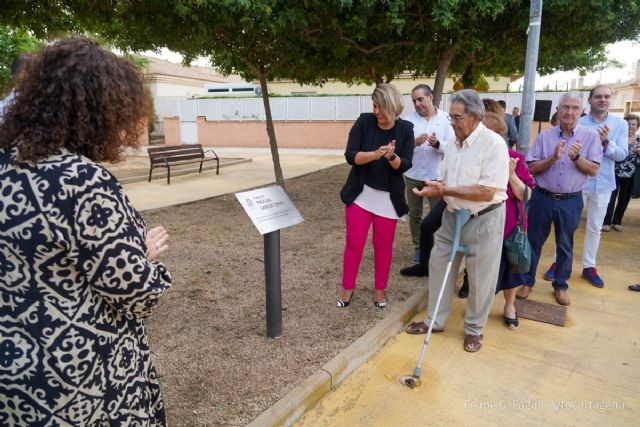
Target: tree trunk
{"points": [[469, 78], [441, 74], [277, 169]]}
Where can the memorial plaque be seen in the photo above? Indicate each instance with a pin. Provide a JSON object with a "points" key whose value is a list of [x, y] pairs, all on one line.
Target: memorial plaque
{"points": [[269, 208]]}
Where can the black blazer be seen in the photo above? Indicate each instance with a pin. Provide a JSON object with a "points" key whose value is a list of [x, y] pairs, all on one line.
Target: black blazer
{"points": [[361, 138]]}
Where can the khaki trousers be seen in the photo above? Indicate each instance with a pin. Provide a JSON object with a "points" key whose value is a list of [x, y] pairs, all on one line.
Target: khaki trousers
{"points": [[415, 204], [483, 237]]}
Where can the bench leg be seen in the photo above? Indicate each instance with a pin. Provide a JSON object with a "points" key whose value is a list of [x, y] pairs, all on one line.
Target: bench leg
{"points": [[200, 171], [168, 174], [217, 166], [150, 170]]}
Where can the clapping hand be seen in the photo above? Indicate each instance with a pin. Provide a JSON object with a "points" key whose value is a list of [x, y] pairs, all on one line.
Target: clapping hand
{"points": [[557, 154], [574, 149], [421, 139], [604, 133], [431, 188], [432, 140], [391, 148], [513, 162]]}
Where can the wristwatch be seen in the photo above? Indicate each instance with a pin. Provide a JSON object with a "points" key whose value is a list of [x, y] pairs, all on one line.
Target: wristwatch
{"points": [[392, 157]]}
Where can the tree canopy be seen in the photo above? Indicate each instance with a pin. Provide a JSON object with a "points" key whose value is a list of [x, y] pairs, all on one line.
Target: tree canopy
{"points": [[13, 41], [311, 41]]}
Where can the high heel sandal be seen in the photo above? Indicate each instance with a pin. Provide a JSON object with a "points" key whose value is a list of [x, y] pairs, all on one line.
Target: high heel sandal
{"points": [[345, 304], [512, 323], [381, 304]]}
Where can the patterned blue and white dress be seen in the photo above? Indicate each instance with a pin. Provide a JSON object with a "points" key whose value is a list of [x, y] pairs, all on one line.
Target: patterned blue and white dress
{"points": [[75, 285]]}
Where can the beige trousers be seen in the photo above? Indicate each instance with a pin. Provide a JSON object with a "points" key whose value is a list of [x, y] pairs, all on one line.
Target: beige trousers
{"points": [[483, 238]]}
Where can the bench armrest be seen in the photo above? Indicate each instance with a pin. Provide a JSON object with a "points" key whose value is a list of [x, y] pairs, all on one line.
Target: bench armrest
{"points": [[211, 151]]}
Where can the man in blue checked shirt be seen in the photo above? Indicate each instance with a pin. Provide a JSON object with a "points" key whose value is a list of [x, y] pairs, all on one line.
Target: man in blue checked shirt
{"points": [[613, 132]]}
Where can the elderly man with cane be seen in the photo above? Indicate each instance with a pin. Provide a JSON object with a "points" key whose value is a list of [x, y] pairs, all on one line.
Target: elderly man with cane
{"points": [[473, 176]]}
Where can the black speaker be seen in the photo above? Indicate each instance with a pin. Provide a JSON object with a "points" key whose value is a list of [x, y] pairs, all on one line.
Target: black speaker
{"points": [[542, 113]]}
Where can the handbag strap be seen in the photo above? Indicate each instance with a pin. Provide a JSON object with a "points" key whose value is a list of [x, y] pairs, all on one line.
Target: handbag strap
{"points": [[525, 207]]}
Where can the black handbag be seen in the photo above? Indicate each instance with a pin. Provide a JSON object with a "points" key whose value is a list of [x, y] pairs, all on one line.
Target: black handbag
{"points": [[516, 245]]}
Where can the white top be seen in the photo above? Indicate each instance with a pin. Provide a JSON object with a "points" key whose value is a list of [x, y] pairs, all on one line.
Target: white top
{"points": [[377, 202], [426, 159], [6, 102], [483, 159]]}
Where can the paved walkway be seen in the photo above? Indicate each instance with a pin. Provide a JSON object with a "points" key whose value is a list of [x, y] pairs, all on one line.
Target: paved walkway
{"points": [[257, 173], [586, 373]]}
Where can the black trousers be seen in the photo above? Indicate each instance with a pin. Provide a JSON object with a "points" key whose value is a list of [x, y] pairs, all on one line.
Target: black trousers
{"points": [[428, 226], [624, 188], [636, 185]]}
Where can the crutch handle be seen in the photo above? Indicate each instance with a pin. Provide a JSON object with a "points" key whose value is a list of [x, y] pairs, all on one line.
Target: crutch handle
{"points": [[461, 217]]}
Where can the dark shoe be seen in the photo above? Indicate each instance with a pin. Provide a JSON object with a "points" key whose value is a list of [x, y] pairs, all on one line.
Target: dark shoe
{"points": [[418, 328], [464, 290], [634, 288], [416, 270], [591, 275], [523, 292], [550, 275], [344, 304], [472, 343], [561, 297], [512, 323]]}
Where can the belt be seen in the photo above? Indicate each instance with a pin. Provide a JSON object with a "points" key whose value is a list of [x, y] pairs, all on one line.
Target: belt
{"points": [[558, 196], [487, 209]]}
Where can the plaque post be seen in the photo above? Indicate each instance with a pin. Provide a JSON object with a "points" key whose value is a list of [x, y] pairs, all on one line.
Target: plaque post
{"points": [[273, 283], [270, 210]]}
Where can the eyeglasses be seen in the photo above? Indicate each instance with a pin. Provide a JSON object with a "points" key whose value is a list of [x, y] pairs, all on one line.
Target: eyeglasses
{"points": [[457, 117], [573, 108]]}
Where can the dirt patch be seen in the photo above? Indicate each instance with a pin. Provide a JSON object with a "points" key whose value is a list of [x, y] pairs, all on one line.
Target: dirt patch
{"points": [[208, 334]]}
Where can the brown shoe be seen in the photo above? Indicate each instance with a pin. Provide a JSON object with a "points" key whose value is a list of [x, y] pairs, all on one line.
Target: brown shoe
{"points": [[523, 291], [417, 328], [561, 297], [472, 343]]}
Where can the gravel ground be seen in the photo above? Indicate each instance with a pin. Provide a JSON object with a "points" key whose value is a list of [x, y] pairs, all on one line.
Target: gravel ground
{"points": [[208, 333]]}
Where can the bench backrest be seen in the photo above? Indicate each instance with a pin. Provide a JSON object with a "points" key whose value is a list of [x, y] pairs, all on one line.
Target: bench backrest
{"points": [[175, 153]]}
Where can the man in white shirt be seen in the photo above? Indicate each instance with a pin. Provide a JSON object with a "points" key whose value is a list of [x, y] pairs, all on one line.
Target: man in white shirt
{"points": [[473, 175], [432, 130], [18, 68]]}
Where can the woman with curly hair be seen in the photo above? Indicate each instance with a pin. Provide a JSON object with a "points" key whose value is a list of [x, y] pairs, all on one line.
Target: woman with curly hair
{"points": [[77, 264]]}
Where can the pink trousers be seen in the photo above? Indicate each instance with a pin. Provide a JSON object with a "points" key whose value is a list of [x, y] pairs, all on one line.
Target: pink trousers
{"points": [[358, 222]]}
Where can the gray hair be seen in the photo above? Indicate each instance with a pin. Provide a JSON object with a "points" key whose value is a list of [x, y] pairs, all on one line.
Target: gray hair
{"points": [[574, 96], [471, 101]]}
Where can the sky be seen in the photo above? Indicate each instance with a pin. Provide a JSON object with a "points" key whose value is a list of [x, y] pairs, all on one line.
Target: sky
{"points": [[626, 52]]}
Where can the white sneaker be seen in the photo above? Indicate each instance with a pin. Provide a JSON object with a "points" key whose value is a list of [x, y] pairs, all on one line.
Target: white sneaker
{"points": [[616, 227], [606, 228]]}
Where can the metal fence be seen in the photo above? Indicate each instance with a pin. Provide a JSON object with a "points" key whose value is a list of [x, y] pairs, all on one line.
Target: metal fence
{"points": [[156, 133], [307, 108]]}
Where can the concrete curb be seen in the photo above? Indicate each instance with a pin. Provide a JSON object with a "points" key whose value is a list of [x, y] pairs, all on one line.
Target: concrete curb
{"points": [[307, 394]]}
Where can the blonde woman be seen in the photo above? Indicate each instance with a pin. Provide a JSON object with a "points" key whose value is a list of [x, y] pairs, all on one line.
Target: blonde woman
{"points": [[379, 150]]}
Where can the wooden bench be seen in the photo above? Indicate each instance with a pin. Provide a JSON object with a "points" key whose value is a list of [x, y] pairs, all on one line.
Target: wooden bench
{"points": [[165, 157]]}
